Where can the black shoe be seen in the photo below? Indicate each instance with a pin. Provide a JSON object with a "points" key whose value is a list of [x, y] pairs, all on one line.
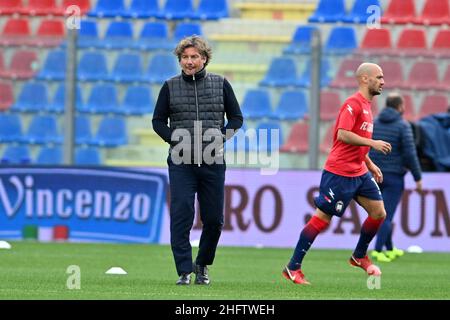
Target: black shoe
{"points": [[185, 279], [201, 275]]}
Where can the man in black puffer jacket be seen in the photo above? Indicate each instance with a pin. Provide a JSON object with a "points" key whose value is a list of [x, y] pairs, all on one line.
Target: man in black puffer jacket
{"points": [[390, 126]]}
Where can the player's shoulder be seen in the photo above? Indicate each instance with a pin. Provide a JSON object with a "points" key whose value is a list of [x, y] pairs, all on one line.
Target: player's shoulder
{"points": [[353, 102]]}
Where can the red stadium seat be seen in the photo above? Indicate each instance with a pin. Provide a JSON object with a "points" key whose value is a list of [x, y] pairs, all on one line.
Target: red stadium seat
{"points": [[445, 83], [412, 42], [423, 76], [376, 42], [39, 7], [410, 112], [49, 34], [6, 95], [10, 6], [345, 77], [399, 12], [433, 104], [441, 44], [297, 141], [23, 65], [327, 141], [16, 32], [329, 105], [84, 5], [435, 12], [393, 73]]}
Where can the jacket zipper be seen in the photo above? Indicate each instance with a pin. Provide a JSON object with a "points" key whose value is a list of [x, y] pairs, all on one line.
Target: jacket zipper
{"points": [[198, 127]]}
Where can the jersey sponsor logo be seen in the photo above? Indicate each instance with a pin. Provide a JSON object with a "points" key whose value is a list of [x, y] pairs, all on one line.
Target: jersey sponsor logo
{"points": [[366, 126]]}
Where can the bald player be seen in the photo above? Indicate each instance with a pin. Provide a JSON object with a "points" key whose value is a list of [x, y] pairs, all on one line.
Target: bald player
{"points": [[349, 174]]}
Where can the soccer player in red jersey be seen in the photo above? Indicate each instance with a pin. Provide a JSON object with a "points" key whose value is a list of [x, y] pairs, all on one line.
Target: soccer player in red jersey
{"points": [[349, 174]]}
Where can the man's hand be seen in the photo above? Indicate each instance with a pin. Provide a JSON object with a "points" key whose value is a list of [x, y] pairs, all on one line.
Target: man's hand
{"points": [[382, 146], [419, 186], [376, 172]]}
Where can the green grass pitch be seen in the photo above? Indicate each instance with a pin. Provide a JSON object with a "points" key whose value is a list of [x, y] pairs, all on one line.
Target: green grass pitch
{"points": [[38, 271]]}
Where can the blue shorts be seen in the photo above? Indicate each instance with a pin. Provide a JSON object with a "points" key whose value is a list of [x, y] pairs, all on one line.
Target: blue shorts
{"points": [[337, 191]]}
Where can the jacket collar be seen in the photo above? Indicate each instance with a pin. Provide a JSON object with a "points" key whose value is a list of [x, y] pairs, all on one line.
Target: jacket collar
{"points": [[198, 76]]}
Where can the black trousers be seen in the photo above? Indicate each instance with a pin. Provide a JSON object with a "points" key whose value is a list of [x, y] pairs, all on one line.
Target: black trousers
{"points": [[207, 181]]}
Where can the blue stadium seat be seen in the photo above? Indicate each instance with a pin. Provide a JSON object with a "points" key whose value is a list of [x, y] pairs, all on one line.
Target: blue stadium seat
{"points": [[50, 156], [264, 131], [88, 34], [292, 106], [241, 142], [32, 98], [112, 132], [282, 72], [301, 41], [87, 156], [54, 66], [58, 103], [154, 36], [185, 29], [108, 9], [142, 9], [92, 66], [161, 67], [128, 68], [102, 99], [176, 9], [137, 101], [14, 154], [83, 132], [325, 74], [211, 10], [118, 35], [43, 129], [10, 128], [257, 104], [359, 13], [329, 11], [342, 40]]}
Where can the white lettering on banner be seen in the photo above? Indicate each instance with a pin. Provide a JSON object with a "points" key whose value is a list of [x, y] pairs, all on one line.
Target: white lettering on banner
{"points": [[65, 203]]}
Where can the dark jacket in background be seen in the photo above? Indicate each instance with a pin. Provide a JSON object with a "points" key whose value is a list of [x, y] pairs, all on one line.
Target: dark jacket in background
{"points": [[390, 127]]}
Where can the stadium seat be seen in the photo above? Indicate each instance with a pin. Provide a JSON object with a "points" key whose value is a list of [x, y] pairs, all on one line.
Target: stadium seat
{"points": [[441, 44], [298, 139], [410, 111], [345, 77], [358, 13], [137, 101], [108, 9], [23, 65], [399, 12], [88, 34], [10, 7], [411, 42], [15, 154], [393, 73], [154, 36], [84, 5], [6, 95], [327, 141], [58, 103], [265, 132], [325, 78], [301, 40], [176, 10], [376, 42], [39, 7], [186, 29], [433, 104], [83, 133], [10, 128], [103, 99], [32, 98], [342, 40], [257, 104], [435, 12], [292, 106], [330, 103], [50, 156], [119, 35], [127, 68], [282, 72], [211, 10], [87, 156], [329, 11], [445, 83], [54, 66], [2, 64], [244, 140], [43, 129], [112, 132], [423, 76], [92, 67], [50, 33], [16, 32], [161, 67], [142, 9]]}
